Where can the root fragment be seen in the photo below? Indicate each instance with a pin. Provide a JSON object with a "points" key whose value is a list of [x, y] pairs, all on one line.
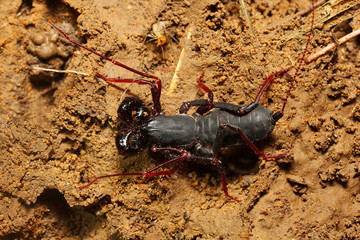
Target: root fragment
{"points": [[324, 50]]}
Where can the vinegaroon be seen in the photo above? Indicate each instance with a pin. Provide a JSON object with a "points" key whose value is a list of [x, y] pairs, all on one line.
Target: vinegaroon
{"points": [[199, 137]]}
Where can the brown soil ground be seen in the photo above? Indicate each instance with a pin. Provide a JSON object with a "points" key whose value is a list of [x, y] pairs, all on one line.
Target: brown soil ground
{"points": [[57, 130]]}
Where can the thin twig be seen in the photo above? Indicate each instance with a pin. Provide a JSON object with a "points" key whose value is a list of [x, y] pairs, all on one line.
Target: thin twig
{"points": [[246, 14], [175, 79], [324, 50], [59, 71]]}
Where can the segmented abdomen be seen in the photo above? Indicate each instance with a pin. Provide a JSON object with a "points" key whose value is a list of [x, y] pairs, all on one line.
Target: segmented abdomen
{"points": [[256, 125]]}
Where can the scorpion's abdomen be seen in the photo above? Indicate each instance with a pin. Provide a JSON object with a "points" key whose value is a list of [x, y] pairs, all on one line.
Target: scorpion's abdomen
{"points": [[256, 125]]}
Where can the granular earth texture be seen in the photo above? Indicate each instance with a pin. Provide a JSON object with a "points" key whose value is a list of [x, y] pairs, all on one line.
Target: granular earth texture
{"points": [[57, 129]]}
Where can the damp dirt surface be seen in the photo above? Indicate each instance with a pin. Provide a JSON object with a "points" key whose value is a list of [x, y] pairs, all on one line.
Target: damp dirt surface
{"points": [[57, 130]]}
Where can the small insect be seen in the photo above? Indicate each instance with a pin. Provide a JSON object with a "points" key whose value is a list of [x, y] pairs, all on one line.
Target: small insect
{"points": [[158, 33], [199, 137]]}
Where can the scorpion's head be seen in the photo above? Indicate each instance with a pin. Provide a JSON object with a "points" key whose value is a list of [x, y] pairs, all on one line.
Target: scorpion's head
{"points": [[132, 112]]}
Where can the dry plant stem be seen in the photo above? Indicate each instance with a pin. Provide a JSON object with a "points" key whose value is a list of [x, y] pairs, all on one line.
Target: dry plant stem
{"points": [[59, 71], [318, 54], [75, 72], [175, 79], [246, 16]]}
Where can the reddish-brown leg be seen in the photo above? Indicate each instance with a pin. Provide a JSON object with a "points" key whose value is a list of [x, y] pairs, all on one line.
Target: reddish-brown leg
{"points": [[210, 99], [155, 93], [204, 105], [302, 58], [154, 90], [207, 105], [213, 160], [150, 173], [254, 104], [224, 183], [220, 136]]}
